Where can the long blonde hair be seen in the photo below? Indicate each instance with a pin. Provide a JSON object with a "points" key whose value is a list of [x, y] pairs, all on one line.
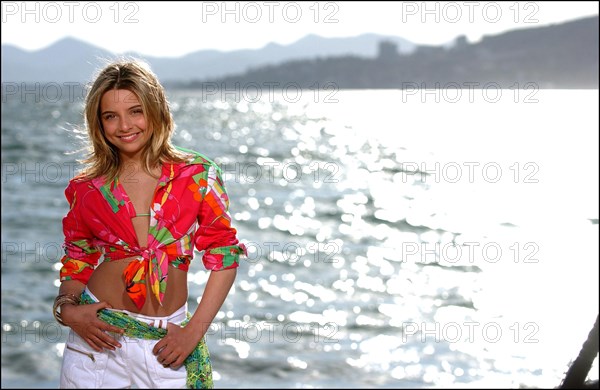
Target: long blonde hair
{"points": [[135, 76]]}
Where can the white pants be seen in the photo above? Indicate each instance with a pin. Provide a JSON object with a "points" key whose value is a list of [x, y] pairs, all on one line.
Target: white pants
{"points": [[132, 364]]}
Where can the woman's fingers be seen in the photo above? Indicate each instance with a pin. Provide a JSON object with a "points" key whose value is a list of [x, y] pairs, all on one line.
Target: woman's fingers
{"points": [[103, 340], [171, 358], [92, 342], [164, 354], [109, 341], [177, 363], [101, 329], [106, 327], [85, 322]]}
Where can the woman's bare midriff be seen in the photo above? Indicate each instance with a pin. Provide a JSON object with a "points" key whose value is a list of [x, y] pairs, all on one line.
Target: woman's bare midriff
{"points": [[107, 284]]}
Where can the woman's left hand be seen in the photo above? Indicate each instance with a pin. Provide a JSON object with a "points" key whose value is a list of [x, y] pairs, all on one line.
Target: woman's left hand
{"points": [[175, 347]]}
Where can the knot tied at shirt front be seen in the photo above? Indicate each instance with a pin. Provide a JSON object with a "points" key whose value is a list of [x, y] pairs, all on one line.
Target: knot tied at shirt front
{"points": [[152, 261]]}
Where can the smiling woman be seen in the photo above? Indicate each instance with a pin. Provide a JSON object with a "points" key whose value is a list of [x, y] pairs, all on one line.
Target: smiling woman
{"points": [[137, 211], [123, 122]]}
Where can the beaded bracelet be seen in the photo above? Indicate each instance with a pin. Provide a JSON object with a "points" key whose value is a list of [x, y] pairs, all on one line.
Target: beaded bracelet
{"points": [[59, 301]]}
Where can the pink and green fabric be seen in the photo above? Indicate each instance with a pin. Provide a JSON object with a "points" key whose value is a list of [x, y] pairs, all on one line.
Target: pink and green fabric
{"points": [[189, 210]]}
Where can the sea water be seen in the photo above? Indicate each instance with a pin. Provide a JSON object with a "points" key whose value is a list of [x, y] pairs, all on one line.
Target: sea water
{"points": [[396, 238]]}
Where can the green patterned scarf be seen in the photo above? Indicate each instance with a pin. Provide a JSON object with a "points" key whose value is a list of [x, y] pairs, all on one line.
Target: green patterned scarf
{"points": [[197, 364]]}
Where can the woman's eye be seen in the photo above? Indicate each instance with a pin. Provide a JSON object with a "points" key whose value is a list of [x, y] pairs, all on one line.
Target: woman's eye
{"points": [[137, 111], [108, 117]]}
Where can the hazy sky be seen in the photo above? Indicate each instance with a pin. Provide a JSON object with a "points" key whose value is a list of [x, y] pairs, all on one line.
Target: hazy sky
{"points": [[178, 28]]}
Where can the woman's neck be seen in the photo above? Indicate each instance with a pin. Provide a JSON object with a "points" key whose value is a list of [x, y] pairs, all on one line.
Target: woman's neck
{"points": [[131, 159], [132, 168]]}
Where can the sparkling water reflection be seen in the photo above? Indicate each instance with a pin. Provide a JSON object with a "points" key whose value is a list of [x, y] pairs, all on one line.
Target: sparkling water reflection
{"points": [[381, 251]]}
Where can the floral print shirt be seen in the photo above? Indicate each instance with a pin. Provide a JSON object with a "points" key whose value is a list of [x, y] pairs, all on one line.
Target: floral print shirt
{"points": [[189, 208]]}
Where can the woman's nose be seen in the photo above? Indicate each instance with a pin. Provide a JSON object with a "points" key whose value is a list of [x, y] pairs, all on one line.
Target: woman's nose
{"points": [[125, 123]]}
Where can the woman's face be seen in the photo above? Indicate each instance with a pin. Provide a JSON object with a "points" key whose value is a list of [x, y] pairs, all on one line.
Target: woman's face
{"points": [[124, 122]]}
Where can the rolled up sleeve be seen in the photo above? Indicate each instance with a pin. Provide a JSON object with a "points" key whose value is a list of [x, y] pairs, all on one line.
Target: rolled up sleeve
{"points": [[81, 255], [215, 235]]}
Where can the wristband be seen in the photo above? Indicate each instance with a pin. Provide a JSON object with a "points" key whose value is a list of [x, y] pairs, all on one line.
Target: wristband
{"points": [[59, 301]]}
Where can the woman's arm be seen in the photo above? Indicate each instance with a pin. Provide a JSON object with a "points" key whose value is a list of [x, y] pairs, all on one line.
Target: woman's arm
{"points": [[79, 262], [179, 342], [74, 287], [217, 288], [84, 321], [218, 240]]}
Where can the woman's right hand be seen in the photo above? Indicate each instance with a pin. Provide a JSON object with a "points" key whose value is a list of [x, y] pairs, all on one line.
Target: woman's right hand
{"points": [[84, 321]]}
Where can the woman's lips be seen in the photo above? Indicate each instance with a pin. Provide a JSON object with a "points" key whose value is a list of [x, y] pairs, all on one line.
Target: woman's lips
{"points": [[130, 137]]}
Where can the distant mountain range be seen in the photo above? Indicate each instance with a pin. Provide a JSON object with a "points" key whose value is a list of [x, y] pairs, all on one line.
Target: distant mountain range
{"points": [[557, 56], [72, 60]]}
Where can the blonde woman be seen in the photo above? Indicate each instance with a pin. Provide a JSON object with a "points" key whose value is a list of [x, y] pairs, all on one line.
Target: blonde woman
{"points": [[137, 211]]}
